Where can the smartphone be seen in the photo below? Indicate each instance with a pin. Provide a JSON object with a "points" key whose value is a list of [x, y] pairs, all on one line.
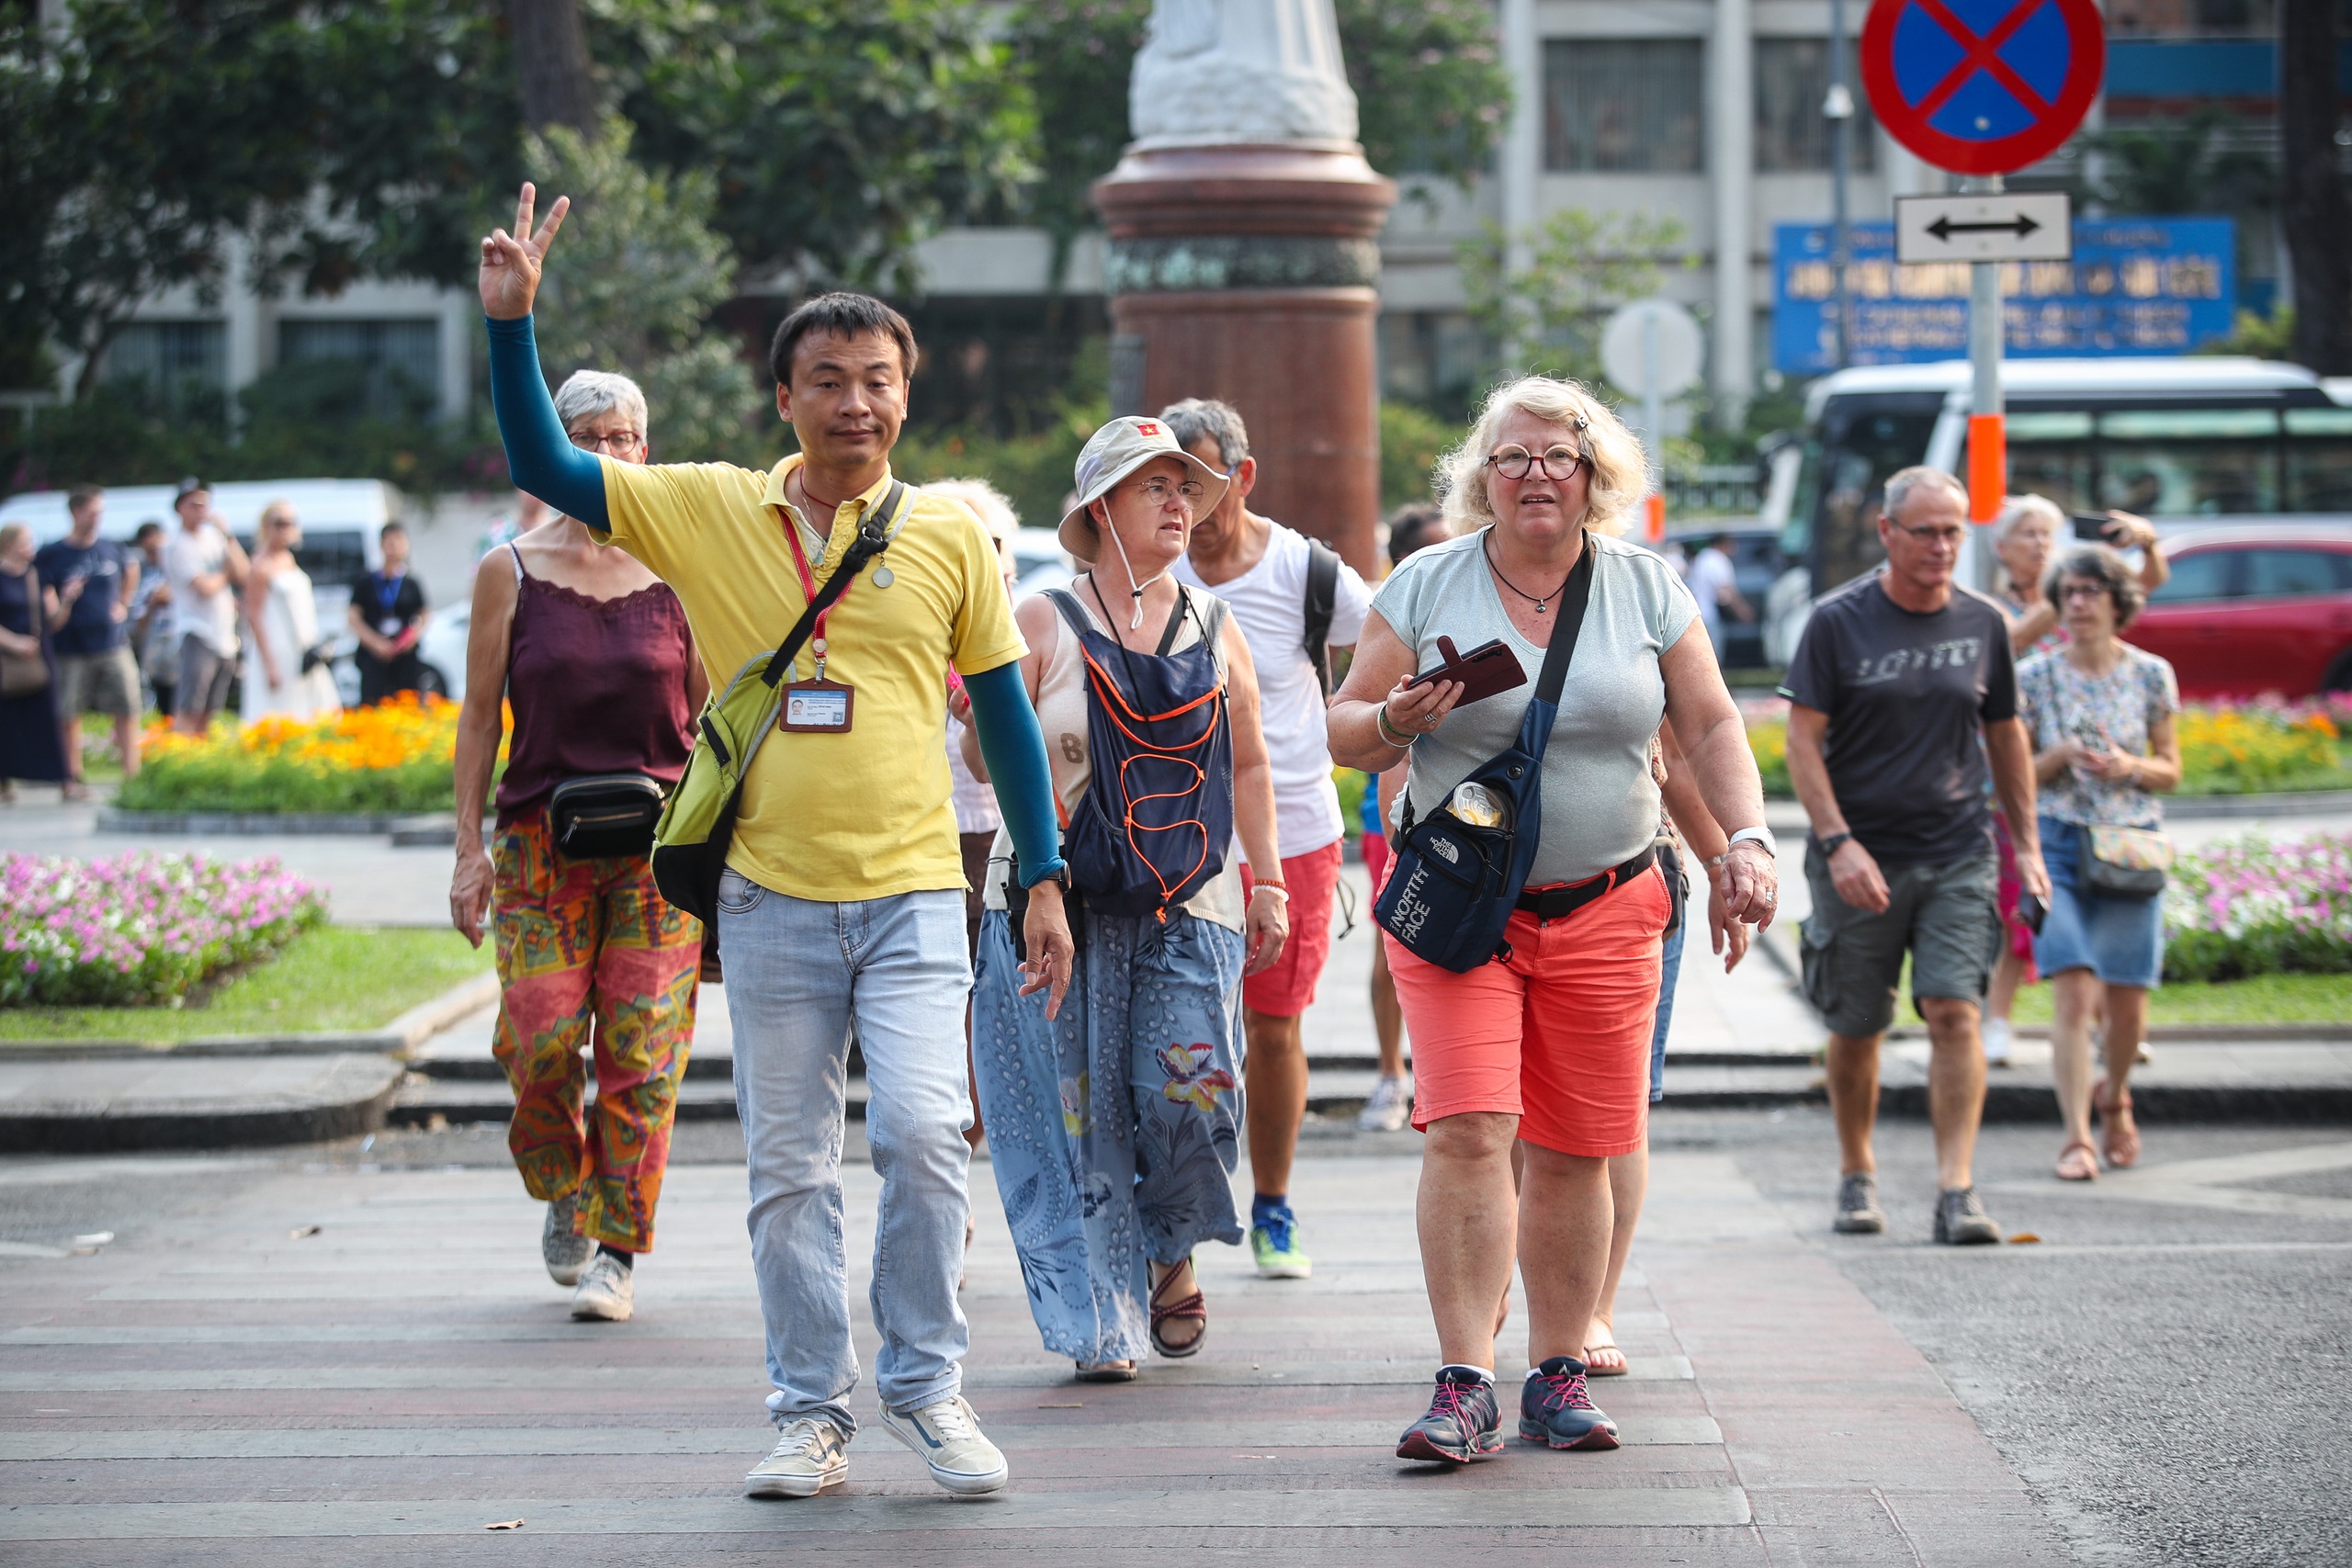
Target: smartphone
{"points": [[2091, 526], [2032, 911]]}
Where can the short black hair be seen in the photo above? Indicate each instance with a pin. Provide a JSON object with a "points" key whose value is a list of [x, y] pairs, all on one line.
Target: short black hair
{"points": [[1408, 528], [81, 496], [390, 528], [839, 314], [146, 531]]}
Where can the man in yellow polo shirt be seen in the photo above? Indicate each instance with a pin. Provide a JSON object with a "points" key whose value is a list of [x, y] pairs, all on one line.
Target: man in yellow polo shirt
{"points": [[842, 906]]}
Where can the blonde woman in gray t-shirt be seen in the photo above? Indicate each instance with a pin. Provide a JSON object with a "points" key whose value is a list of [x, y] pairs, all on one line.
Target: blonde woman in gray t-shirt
{"points": [[1548, 1047]]}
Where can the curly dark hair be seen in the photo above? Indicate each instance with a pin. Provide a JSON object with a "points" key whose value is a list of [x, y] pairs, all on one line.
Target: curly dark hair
{"points": [[2102, 565]]}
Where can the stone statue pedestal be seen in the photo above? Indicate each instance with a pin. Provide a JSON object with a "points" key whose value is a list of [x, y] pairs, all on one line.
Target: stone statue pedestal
{"points": [[1247, 272]]}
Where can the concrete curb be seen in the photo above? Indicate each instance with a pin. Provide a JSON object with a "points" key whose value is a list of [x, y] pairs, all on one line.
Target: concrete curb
{"points": [[398, 1038], [361, 1091], [282, 824], [2202, 1034], [2307, 803]]}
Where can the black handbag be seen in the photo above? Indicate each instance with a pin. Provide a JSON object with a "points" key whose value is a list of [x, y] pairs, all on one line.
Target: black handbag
{"points": [[1452, 890], [604, 815]]}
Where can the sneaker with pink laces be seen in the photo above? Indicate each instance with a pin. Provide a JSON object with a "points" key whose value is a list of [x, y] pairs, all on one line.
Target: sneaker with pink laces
{"points": [[1555, 1408]]}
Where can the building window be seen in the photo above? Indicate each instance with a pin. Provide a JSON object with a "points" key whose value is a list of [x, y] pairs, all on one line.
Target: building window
{"points": [[173, 361], [1791, 80], [399, 359], [1622, 105]]}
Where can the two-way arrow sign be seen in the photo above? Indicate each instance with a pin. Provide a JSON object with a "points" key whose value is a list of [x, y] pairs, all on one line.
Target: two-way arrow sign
{"points": [[2023, 225]]}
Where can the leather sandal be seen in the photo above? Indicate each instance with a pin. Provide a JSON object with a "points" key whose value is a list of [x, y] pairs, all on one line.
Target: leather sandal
{"points": [[1106, 1371], [2118, 1129], [1604, 1360], [2078, 1162], [1193, 1308]]}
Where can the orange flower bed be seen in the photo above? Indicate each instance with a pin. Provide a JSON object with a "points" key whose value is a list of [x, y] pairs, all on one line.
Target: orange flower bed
{"points": [[396, 756]]}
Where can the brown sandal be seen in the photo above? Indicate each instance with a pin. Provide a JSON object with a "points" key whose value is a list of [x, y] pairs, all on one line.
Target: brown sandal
{"points": [[1193, 1308], [2084, 1170], [2118, 1128]]}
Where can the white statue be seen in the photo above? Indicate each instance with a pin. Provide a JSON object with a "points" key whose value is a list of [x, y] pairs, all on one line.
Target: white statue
{"points": [[1217, 73]]}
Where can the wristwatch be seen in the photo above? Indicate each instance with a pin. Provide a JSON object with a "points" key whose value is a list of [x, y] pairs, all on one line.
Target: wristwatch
{"points": [[1757, 836], [1832, 844]]}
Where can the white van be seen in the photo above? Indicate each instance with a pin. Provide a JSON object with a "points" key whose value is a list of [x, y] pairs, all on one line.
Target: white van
{"points": [[341, 522], [2187, 443]]}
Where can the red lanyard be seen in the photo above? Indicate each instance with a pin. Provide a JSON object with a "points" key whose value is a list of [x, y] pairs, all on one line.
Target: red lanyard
{"points": [[808, 587]]}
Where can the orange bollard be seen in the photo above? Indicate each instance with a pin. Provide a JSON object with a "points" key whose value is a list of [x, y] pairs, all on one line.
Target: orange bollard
{"points": [[1989, 465]]}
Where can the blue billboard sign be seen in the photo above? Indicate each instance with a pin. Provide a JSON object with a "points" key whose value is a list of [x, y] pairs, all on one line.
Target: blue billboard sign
{"points": [[2143, 285]]}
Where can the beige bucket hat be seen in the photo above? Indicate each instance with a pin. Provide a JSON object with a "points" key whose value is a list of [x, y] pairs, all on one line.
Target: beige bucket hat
{"points": [[1111, 454]]}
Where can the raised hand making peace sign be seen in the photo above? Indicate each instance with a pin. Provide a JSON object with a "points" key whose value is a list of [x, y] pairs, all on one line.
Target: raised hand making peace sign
{"points": [[510, 263]]}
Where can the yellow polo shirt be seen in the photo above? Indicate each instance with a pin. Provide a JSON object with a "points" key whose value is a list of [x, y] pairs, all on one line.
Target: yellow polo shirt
{"points": [[835, 817]]}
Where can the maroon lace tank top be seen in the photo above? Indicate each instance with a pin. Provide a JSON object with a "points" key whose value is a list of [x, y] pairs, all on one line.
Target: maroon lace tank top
{"points": [[597, 686]]}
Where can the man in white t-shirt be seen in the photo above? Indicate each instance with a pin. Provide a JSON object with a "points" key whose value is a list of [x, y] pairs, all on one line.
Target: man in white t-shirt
{"points": [[1716, 587], [206, 569], [1278, 583]]}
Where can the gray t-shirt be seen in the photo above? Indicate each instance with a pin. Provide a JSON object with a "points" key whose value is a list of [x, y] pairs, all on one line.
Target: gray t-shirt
{"points": [[1600, 805]]}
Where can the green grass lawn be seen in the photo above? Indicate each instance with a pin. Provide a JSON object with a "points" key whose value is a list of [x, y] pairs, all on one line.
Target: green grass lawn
{"points": [[2268, 998], [336, 977]]}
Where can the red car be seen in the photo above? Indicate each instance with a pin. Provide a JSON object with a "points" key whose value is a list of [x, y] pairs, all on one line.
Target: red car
{"points": [[2253, 609]]}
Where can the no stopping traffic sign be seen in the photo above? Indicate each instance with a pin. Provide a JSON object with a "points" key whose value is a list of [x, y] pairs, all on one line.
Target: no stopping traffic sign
{"points": [[1982, 86]]}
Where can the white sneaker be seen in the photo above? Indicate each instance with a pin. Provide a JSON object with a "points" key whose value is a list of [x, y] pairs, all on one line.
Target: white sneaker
{"points": [[1389, 1107], [562, 1249], [946, 1436], [1996, 1041], [608, 1290], [809, 1455]]}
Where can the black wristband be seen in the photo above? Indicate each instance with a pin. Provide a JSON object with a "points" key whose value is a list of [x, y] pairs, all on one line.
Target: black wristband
{"points": [[1832, 844]]}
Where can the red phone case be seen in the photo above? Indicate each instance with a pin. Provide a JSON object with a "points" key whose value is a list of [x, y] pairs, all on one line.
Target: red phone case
{"points": [[1485, 669]]}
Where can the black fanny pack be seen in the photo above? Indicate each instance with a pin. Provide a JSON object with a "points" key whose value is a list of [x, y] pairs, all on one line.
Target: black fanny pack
{"points": [[604, 815]]}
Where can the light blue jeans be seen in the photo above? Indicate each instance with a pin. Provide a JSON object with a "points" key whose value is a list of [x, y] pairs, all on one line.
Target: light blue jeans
{"points": [[799, 974]]}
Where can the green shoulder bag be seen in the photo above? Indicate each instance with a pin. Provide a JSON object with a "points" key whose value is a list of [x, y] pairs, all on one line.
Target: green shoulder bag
{"points": [[698, 826]]}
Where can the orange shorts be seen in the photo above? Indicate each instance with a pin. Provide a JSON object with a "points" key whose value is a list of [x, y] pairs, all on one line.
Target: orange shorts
{"points": [[1558, 1035], [1312, 879]]}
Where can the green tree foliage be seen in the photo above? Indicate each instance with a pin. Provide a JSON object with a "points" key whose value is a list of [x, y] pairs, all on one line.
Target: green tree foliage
{"points": [[631, 287], [1076, 55], [1411, 441], [837, 134], [2184, 164], [1582, 265]]}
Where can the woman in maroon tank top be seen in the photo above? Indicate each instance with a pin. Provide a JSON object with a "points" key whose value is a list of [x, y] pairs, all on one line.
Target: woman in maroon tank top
{"points": [[591, 654]]}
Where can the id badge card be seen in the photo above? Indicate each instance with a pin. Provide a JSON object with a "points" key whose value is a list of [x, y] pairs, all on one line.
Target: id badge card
{"points": [[819, 706]]}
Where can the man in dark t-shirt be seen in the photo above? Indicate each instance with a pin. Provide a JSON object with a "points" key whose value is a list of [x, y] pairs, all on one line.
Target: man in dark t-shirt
{"points": [[87, 585], [1903, 702], [388, 612]]}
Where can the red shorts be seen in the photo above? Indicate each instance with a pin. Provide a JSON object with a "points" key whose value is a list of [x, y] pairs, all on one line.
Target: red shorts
{"points": [[1288, 988], [1558, 1035], [1375, 857]]}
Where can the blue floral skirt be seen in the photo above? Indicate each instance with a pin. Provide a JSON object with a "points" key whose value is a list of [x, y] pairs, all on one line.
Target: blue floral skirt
{"points": [[1115, 1129]]}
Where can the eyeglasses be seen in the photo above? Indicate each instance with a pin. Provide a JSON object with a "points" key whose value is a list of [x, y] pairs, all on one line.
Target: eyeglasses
{"points": [[1952, 535], [1159, 492], [619, 440], [1513, 462], [2074, 591]]}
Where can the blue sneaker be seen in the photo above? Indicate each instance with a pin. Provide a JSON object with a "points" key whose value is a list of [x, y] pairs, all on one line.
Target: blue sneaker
{"points": [[1463, 1423], [1554, 1409], [1273, 1241]]}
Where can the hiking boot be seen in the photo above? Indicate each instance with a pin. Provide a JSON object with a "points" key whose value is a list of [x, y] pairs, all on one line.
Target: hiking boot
{"points": [[608, 1289], [1961, 1219], [1555, 1410], [809, 1455], [1463, 1423], [946, 1436], [1390, 1106], [564, 1250], [1858, 1210], [1273, 1240]]}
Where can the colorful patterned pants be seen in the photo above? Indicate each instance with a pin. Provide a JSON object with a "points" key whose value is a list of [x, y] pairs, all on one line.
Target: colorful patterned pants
{"points": [[583, 942]]}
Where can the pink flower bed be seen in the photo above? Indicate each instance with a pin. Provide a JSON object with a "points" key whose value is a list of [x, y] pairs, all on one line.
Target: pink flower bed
{"points": [[2258, 906], [139, 929]]}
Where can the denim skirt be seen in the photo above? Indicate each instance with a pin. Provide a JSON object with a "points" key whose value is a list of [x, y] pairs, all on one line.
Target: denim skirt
{"points": [[2120, 940]]}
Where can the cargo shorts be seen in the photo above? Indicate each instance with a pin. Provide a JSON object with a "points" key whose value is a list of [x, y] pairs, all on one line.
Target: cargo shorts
{"points": [[1946, 916]]}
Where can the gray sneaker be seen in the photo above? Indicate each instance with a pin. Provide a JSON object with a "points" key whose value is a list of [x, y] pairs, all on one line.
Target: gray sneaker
{"points": [[946, 1436], [563, 1251], [608, 1290], [1858, 1210], [809, 1455], [1961, 1220], [1390, 1106]]}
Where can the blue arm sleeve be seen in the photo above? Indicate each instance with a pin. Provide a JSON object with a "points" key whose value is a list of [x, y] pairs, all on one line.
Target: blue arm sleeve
{"points": [[541, 458], [1014, 748]]}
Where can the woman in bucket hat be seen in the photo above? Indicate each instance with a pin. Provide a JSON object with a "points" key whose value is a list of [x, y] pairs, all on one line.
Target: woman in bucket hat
{"points": [[1112, 1128]]}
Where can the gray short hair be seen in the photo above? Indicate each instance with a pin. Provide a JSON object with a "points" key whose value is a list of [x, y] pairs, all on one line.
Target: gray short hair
{"points": [[1194, 417], [2105, 566], [2018, 508], [1903, 481], [587, 393]]}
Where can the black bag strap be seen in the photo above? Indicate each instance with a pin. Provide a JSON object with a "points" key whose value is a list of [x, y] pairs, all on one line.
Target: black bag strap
{"points": [[873, 538], [1571, 626], [1322, 603]]}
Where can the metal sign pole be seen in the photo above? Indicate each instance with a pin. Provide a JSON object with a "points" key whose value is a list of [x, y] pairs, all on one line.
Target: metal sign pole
{"points": [[1654, 430], [1987, 438], [1838, 107]]}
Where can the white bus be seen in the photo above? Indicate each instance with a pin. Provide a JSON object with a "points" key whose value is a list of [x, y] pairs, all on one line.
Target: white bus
{"points": [[2187, 443]]}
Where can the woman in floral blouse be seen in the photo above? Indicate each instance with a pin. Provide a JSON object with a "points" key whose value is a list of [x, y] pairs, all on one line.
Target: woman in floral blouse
{"points": [[2101, 714]]}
